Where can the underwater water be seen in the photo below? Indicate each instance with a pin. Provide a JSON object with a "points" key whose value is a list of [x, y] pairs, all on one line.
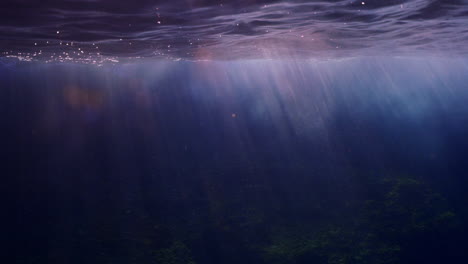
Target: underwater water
{"points": [[345, 161], [227, 132]]}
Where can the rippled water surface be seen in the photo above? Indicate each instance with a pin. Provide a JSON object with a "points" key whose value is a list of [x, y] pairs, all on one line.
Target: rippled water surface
{"points": [[112, 30]]}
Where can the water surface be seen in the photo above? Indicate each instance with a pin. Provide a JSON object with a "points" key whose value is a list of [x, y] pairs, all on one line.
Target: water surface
{"points": [[95, 31]]}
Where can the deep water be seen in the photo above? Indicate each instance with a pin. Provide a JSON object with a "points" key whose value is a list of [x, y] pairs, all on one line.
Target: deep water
{"points": [[358, 160]]}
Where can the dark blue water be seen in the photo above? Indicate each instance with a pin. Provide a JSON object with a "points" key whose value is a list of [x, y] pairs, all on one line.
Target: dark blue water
{"points": [[345, 161]]}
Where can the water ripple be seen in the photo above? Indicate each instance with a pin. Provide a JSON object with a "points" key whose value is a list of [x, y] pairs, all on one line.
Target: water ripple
{"points": [[99, 30]]}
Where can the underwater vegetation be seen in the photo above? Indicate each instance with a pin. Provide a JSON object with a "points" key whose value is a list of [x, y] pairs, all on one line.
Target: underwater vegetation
{"points": [[175, 254], [390, 225], [398, 219]]}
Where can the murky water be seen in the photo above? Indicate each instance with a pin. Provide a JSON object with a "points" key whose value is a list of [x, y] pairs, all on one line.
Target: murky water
{"points": [[229, 162]]}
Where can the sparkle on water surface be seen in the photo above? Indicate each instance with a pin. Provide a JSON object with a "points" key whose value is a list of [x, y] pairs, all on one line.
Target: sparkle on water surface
{"points": [[101, 31]]}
